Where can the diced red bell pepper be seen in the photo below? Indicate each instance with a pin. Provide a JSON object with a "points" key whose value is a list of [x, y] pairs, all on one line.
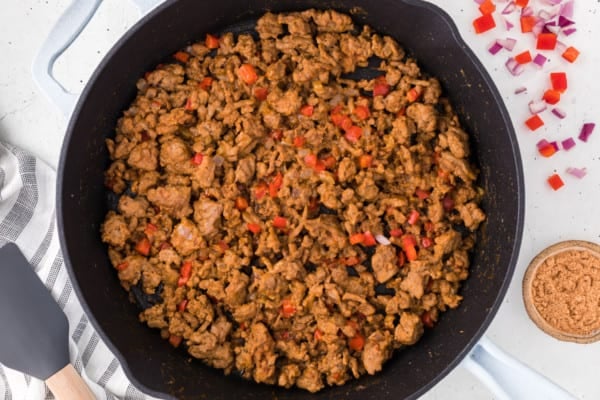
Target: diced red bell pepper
{"points": [[546, 41], [346, 123], [487, 7], [408, 245], [275, 184], [521, 3], [381, 86], [484, 23], [547, 150], [570, 54], [357, 342], [185, 273], [551, 96], [353, 134], [261, 93], [559, 81], [413, 217], [260, 190], [212, 42], [413, 95], [247, 73], [123, 266], [143, 246], [197, 159], [362, 112], [287, 308], [534, 122], [365, 161], [181, 306], [299, 141], [175, 340], [280, 222], [527, 23], [396, 232], [181, 56], [369, 239], [318, 335], [206, 83], [241, 203], [254, 228], [350, 261], [357, 238], [150, 229], [555, 182], [421, 194], [311, 160], [307, 110], [524, 57]]}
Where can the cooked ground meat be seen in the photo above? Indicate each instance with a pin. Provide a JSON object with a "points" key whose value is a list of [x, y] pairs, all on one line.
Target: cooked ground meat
{"points": [[281, 220]]}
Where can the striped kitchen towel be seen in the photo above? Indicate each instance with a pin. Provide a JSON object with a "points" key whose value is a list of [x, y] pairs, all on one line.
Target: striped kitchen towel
{"points": [[27, 215]]}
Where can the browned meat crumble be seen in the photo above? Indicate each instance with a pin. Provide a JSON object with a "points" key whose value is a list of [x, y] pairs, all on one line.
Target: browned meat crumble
{"points": [[281, 221]]}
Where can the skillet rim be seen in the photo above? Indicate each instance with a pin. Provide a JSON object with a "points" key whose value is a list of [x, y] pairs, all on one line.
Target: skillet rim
{"points": [[508, 127]]}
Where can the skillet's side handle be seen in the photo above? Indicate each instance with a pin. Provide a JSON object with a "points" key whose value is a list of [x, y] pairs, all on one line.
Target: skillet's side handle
{"points": [[508, 378], [65, 31], [68, 27]]}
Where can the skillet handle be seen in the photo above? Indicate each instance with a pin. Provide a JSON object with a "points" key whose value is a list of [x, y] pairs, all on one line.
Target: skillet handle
{"points": [[508, 378], [65, 31]]}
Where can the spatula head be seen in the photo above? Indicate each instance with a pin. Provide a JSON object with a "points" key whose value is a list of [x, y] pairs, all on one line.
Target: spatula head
{"points": [[33, 329]]}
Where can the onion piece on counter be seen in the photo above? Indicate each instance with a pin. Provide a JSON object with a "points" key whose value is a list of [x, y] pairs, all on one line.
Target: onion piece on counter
{"points": [[568, 144], [520, 89], [569, 31], [566, 10], [577, 172], [539, 60], [536, 107], [564, 21], [508, 43], [586, 131], [510, 7], [494, 48], [514, 67], [559, 113], [509, 25]]}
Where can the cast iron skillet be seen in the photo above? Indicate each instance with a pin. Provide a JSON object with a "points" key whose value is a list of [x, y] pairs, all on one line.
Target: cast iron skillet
{"points": [[423, 29]]}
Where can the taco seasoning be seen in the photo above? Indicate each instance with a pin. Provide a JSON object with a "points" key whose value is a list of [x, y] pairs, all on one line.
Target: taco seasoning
{"points": [[561, 290]]}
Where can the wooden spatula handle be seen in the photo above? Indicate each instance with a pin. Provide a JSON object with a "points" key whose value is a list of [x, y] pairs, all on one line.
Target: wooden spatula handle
{"points": [[66, 384]]}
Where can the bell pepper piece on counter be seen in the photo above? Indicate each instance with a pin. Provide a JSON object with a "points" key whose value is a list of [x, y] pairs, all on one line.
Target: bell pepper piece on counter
{"points": [[555, 182], [570, 54], [487, 7], [546, 41], [534, 122], [524, 57], [551, 96], [484, 23], [559, 81], [527, 23]]}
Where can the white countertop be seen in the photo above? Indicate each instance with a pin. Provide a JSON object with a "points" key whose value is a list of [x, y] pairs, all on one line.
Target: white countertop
{"points": [[28, 120]]}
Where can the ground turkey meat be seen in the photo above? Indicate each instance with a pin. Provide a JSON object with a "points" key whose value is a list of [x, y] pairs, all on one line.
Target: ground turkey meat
{"points": [[280, 221]]}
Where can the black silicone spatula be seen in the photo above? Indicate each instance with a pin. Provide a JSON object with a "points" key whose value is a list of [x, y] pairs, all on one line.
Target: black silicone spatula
{"points": [[33, 329]]}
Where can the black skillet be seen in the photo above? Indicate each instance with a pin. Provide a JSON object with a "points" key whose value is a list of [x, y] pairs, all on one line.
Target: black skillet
{"points": [[428, 34]]}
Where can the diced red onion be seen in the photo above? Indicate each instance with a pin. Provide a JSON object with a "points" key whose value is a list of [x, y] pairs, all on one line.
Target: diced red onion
{"points": [[551, 28], [508, 43], [537, 28], [514, 67], [509, 25], [510, 7], [539, 60], [586, 131], [218, 160], [382, 240], [520, 89], [479, 1], [526, 11], [568, 144], [560, 47], [494, 48], [555, 145], [552, 2], [559, 113], [536, 107], [541, 144], [566, 10], [544, 14], [577, 172], [569, 31], [564, 21]]}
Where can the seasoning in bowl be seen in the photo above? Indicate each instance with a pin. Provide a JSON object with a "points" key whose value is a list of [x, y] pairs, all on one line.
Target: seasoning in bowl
{"points": [[561, 290]]}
